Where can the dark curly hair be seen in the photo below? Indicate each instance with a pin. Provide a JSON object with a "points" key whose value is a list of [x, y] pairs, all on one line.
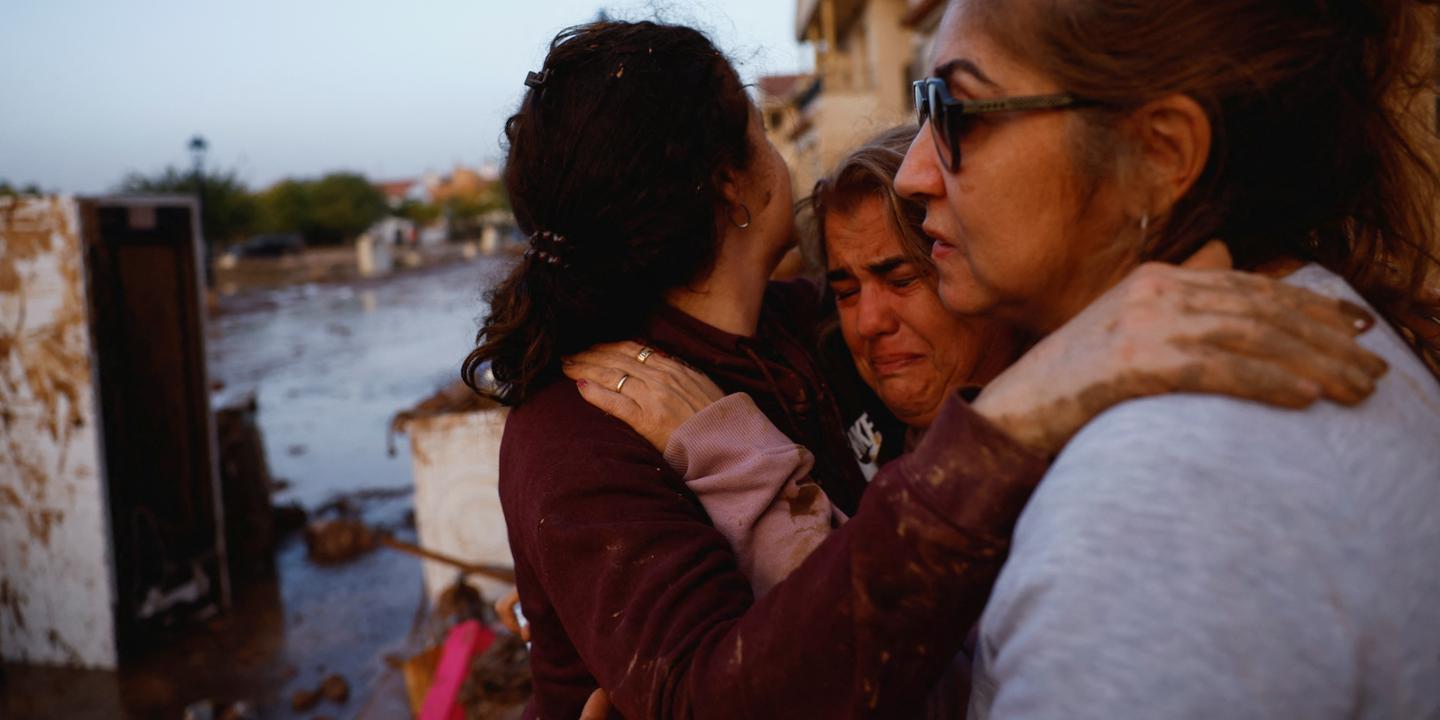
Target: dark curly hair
{"points": [[621, 153]]}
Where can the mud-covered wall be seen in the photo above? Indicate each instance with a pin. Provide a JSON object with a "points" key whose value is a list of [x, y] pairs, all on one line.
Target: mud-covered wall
{"points": [[55, 569]]}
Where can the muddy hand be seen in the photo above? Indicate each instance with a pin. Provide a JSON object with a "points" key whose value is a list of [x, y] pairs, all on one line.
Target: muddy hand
{"points": [[658, 393], [1196, 328]]}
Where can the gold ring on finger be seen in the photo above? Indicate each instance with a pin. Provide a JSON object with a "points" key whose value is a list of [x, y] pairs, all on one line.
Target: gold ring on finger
{"points": [[621, 384], [645, 354]]}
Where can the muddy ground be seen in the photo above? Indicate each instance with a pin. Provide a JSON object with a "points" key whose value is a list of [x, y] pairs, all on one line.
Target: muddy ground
{"points": [[329, 364]]}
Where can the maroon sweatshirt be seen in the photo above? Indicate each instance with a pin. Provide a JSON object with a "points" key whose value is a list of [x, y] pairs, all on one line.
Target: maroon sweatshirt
{"points": [[628, 586]]}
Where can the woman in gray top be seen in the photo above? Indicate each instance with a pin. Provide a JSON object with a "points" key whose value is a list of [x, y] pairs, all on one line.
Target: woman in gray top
{"points": [[1192, 556]]}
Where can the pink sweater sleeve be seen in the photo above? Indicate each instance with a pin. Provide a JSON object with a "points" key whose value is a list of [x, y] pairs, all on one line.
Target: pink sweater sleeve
{"points": [[754, 483]]}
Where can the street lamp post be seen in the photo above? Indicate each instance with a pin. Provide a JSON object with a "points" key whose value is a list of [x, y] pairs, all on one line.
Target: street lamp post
{"points": [[198, 146]]}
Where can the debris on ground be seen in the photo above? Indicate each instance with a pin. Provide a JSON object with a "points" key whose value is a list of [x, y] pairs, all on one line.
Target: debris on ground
{"points": [[338, 534], [460, 602], [462, 644], [494, 683], [354, 503], [339, 540], [304, 699], [499, 679], [335, 689]]}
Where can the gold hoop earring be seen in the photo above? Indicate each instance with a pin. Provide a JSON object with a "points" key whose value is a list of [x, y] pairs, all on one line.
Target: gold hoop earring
{"points": [[748, 218]]}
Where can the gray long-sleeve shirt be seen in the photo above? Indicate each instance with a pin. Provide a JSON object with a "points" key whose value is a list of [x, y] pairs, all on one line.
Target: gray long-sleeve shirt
{"points": [[1202, 557]]}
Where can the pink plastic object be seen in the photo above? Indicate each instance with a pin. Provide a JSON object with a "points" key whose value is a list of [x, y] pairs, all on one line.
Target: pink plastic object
{"points": [[464, 642]]}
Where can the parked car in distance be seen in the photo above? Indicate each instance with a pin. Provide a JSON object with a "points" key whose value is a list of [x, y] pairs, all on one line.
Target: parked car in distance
{"points": [[269, 245]]}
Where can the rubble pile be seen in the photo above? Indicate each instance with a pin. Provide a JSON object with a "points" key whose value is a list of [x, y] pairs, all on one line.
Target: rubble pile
{"points": [[498, 685], [497, 682]]}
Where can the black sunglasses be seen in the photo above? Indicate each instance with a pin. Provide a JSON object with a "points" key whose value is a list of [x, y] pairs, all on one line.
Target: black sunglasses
{"points": [[950, 118]]}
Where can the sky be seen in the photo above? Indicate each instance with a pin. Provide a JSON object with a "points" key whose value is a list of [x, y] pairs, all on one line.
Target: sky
{"points": [[91, 90]]}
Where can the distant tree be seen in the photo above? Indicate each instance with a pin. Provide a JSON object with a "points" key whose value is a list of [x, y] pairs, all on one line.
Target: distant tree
{"points": [[6, 189], [343, 205], [419, 212], [285, 207], [332, 210], [228, 210]]}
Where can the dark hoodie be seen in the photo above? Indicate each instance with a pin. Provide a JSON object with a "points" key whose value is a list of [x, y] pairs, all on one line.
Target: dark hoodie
{"points": [[628, 586]]}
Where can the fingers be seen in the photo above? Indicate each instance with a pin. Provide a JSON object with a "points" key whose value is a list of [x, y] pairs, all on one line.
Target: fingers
{"points": [[605, 376], [696, 383], [1331, 336], [658, 371], [597, 707], [1340, 313], [1214, 256], [1341, 380], [1317, 345], [651, 409], [608, 352], [610, 401], [1325, 325], [1240, 335], [1329, 342], [1249, 379], [650, 388], [622, 357], [1258, 292]]}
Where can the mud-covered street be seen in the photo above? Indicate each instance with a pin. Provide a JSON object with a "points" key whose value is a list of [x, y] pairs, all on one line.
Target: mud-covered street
{"points": [[331, 364]]}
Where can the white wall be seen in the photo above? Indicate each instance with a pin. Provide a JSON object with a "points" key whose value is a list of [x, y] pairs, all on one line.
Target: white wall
{"points": [[456, 461], [56, 573]]}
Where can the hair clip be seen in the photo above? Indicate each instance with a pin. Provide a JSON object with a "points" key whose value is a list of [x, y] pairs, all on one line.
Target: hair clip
{"points": [[548, 247], [537, 80], [543, 256]]}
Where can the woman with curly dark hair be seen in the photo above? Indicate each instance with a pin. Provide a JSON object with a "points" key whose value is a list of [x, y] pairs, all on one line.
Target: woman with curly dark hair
{"points": [[657, 210]]}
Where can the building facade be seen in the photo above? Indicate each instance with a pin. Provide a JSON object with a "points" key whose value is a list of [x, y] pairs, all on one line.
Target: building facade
{"points": [[867, 52]]}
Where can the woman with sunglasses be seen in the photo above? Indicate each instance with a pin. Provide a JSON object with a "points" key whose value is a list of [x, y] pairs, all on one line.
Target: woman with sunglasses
{"points": [[1201, 556], [657, 210]]}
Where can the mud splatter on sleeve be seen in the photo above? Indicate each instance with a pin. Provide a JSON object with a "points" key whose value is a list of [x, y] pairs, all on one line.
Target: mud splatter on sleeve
{"points": [[631, 579]]}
